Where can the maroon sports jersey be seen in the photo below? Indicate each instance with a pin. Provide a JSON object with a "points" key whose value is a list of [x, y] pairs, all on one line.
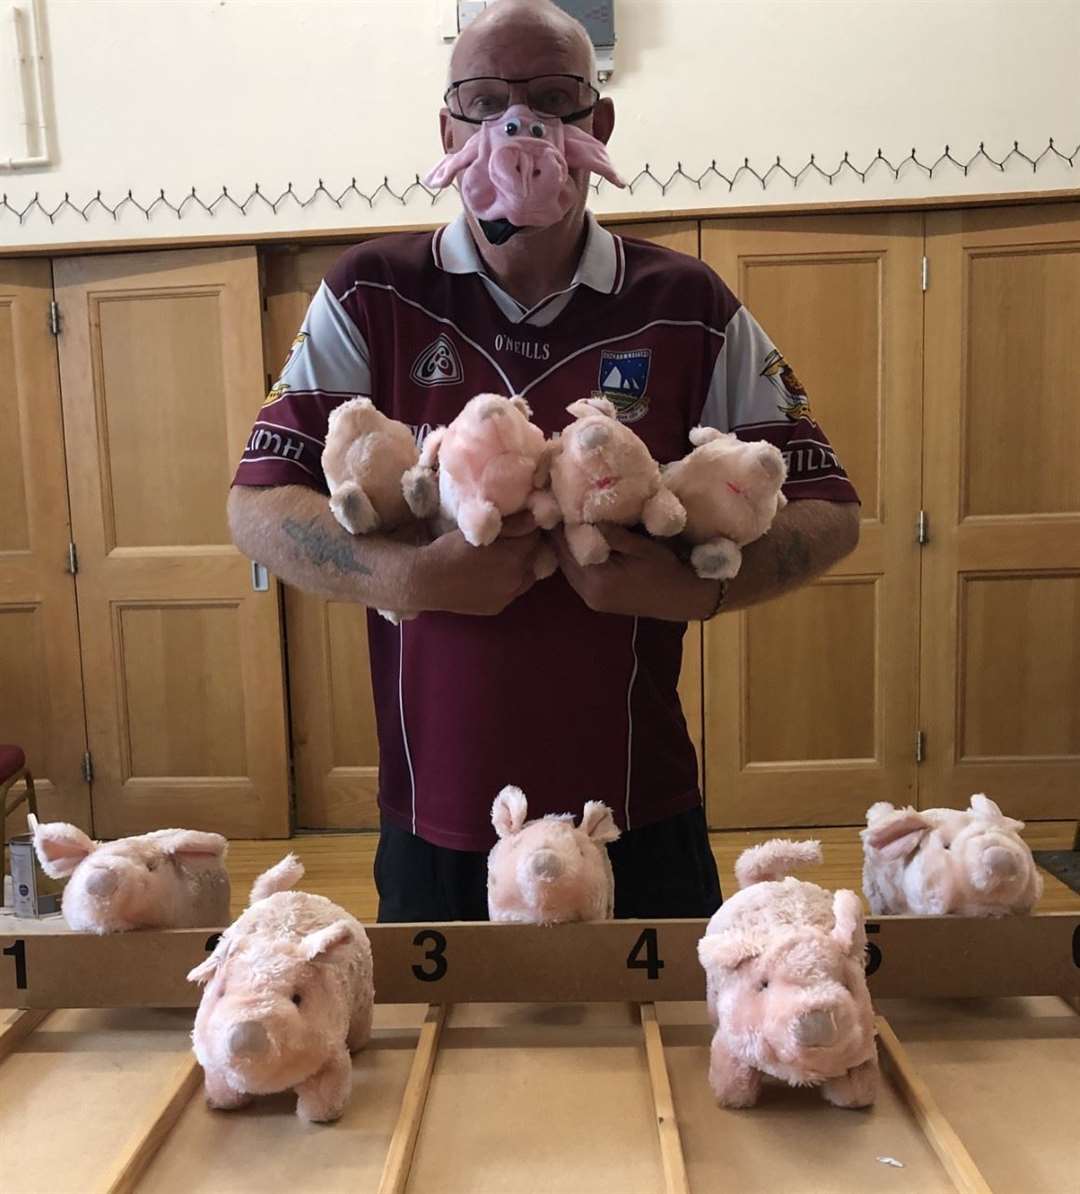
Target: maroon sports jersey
{"points": [[569, 704]]}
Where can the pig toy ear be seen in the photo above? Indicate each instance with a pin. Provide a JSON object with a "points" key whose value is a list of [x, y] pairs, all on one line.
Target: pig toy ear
{"points": [[316, 944], [509, 811], [205, 971], [522, 405], [988, 810], [598, 822], [726, 951], [585, 407], [60, 847], [895, 833], [191, 843], [848, 916]]}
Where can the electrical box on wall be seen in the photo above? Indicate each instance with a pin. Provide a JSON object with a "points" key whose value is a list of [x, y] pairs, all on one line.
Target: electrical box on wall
{"points": [[598, 17]]}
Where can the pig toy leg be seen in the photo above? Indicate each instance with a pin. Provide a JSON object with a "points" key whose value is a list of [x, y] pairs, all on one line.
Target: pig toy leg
{"points": [[856, 1088], [221, 1096], [587, 544], [353, 509], [718, 559], [480, 522], [545, 509], [664, 514], [734, 1083], [322, 1097]]}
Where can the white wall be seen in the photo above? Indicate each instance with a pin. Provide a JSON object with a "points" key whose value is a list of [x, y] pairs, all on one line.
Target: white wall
{"points": [[153, 94]]}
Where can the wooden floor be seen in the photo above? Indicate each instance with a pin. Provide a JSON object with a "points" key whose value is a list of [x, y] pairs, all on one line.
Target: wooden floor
{"points": [[340, 865]]}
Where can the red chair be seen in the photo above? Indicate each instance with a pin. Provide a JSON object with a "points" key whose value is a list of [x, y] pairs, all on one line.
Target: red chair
{"points": [[13, 768]]}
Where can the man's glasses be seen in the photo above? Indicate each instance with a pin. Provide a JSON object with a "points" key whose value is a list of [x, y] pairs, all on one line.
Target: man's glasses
{"points": [[565, 97]]}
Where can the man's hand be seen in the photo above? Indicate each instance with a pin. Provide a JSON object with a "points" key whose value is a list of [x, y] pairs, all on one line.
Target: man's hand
{"points": [[450, 574], [642, 577]]}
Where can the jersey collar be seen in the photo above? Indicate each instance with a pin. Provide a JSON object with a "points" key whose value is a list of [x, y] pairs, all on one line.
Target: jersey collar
{"points": [[600, 268]]}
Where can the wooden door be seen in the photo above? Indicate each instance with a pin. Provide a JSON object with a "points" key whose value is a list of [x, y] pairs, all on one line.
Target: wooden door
{"points": [[161, 372], [41, 703], [810, 700], [335, 746], [1001, 573]]}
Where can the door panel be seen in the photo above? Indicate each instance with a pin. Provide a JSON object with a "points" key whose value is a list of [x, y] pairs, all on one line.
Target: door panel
{"points": [[810, 698], [1001, 574], [161, 368], [41, 703]]}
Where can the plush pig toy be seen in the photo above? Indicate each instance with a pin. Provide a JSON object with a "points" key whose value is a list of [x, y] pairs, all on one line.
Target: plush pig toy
{"points": [[549, 871], [731, 492], [491, 462], [169, 879], [289, 995], [602, 472], [786, 986], [364, 460], [365, 457], [942, 861]]}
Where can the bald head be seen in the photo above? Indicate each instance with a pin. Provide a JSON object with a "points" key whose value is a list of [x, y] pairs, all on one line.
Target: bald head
{"points": [[519, 38]]}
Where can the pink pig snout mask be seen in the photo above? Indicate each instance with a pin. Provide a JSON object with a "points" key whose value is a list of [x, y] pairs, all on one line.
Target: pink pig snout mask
{"points": [[515, 171]]}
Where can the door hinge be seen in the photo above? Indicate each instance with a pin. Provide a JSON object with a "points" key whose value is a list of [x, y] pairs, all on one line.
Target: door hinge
{"points": [[72, 560], [920, 745], [926, 273], [922, 528], [88, 768], [54, 317]]}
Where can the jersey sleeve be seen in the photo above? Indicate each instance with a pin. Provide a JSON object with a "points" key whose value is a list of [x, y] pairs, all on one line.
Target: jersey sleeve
{"points": [[327, 364], [755, 393]]}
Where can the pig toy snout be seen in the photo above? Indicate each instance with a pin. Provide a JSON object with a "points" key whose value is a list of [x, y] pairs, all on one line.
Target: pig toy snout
{"points": [[248, 1039], [594, 437], [547, 865], [816, 1029], [102, 882]]}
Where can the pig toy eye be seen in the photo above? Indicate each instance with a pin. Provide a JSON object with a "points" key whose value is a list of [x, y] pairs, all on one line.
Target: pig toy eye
{"points": [[297, 998], [763, 985], [151, 866], [537, 129], [512, 127]]}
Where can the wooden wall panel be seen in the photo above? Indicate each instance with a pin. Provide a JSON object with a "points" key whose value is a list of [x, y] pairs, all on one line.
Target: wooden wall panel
{"points": [[161, 370], [810, 710], [41, 700], [1001, 574]]}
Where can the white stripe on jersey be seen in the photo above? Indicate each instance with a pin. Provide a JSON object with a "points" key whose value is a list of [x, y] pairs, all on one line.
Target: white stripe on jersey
{"points": [[630, 720], [438, 319], [673, 323]]}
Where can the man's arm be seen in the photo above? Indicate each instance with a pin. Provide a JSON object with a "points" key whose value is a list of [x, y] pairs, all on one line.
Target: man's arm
{"points": [[644, 578], [291, 530], [806, 539]]}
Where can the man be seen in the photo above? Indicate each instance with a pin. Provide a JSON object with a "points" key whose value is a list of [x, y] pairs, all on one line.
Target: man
{"points": [[565, 687]]}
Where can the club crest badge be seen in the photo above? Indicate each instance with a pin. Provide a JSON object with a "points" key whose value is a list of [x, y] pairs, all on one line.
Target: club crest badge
{"points": [[438, 365], [623, 379], [793, 400]]}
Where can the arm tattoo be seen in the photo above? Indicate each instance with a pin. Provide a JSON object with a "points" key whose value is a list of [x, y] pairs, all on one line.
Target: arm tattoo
{"points": [[793, 557], [321, 548]]}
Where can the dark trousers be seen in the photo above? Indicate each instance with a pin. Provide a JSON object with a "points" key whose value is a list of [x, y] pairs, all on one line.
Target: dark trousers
{"points": [[661, 870]]}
